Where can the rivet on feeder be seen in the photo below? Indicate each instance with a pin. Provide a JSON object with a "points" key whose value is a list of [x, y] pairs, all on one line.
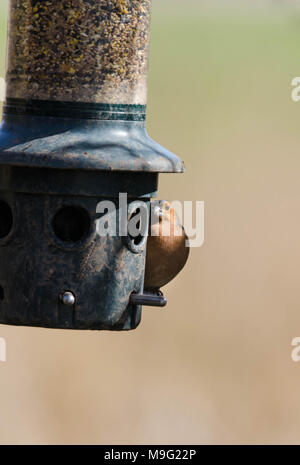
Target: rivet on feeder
{"points": [[68, 298]]}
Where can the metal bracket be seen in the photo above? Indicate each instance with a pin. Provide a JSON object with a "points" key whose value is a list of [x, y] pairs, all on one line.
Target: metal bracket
{"points": [[149, 299]]}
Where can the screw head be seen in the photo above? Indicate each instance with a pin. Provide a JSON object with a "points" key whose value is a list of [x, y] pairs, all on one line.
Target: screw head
{"points": [[68, 298]]}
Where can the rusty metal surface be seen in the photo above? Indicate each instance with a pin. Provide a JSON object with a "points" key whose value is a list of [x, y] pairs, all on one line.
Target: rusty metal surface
{"points": [[37, 266], [46, 164], [75, 182]]}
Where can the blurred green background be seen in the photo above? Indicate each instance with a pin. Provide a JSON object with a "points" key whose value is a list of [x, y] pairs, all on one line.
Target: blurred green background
{"points": [[215, 366]]}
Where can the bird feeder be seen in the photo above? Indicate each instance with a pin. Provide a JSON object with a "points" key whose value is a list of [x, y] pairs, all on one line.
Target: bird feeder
{"points": [[73, 135]]}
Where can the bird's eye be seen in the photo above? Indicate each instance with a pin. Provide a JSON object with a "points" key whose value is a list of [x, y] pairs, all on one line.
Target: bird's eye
{"points": [[158, 211]]}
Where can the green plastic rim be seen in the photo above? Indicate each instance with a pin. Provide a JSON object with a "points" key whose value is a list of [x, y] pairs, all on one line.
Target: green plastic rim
{"points": [[79, 110]]}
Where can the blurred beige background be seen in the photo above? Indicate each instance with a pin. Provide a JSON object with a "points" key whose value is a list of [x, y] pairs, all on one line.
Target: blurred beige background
{"points": [[215, 366]]}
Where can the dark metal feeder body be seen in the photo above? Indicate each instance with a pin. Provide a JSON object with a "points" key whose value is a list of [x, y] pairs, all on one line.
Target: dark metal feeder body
{"points": [[73, 134]]}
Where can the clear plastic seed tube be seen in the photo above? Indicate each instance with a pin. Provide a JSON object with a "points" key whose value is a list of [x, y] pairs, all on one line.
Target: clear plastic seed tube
{"points": [[79, 50]]}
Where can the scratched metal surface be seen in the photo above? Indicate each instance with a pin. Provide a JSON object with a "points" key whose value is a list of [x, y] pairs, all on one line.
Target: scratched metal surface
{"points": [[70, 143], [36, 266]]}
